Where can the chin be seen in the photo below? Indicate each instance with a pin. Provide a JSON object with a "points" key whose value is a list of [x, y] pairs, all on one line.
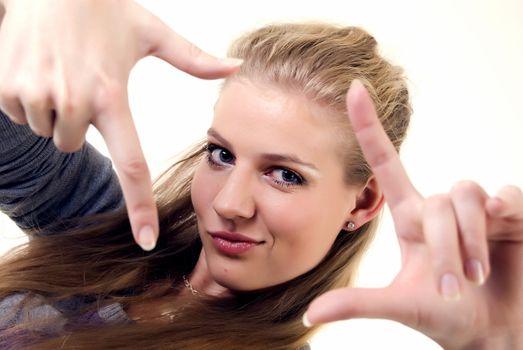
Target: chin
{"points": [[232, 283], [237, 283], [240, 285]]}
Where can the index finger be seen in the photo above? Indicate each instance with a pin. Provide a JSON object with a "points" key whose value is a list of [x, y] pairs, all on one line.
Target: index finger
{"points": [[117, 128], [377, 147]]}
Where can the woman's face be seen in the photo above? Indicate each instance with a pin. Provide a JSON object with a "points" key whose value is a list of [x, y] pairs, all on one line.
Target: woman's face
{"points": [[270, 197]]}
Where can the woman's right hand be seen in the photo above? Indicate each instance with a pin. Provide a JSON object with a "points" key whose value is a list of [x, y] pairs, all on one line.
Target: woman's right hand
{"points": [[65, 65]]}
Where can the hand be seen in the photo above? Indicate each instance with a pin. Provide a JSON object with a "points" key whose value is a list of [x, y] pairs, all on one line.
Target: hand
{"points": [[461, 281], [65, 64]]}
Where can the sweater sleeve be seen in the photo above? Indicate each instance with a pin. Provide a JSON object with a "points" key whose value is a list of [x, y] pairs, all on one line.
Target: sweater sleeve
{"points": [[39, 185]]}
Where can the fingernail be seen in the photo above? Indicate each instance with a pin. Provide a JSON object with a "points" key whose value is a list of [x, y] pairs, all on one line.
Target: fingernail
{"points": [[357, 83], [233, 62], [450, 287], [146, 238], [306, 321], [475, 271]]}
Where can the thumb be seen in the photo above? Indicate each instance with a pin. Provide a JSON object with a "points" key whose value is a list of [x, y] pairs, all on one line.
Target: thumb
{"points": [[348, 303], [171, 47]]}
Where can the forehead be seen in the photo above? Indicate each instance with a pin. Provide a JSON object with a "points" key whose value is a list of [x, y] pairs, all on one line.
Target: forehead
{"points": [[273, 119]]}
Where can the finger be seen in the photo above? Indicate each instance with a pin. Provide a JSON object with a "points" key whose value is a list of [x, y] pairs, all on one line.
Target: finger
{"points": [[468, 200], [162, 42], [10, 104], [441, 234], [117, 128], [377, 148], [39, 115], [348, 303], [70, 126], [508, 203]]}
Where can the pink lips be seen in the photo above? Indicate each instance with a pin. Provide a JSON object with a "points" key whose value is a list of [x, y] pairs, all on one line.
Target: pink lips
{"points": [[232, 243]]}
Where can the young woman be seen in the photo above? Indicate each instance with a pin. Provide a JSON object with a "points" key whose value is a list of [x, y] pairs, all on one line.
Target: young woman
{"points": [[273, 209]]}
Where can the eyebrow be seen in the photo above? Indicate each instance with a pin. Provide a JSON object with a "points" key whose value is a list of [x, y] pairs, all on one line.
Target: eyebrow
{"points": [[267, 156]]}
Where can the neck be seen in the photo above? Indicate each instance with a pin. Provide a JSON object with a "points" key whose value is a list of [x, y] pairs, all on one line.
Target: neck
{"points": [[202, 281], [164, 308]]}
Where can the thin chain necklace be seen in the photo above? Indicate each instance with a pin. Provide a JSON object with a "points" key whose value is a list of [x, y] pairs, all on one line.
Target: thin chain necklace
{"points": [[189, 286], [171, 315]]}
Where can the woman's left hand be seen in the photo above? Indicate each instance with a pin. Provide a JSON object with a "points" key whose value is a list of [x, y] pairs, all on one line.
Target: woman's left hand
{"points": [[461, 281]]}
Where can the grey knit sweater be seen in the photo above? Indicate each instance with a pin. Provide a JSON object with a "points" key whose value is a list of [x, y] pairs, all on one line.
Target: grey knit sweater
{"points": [[39, 186]]}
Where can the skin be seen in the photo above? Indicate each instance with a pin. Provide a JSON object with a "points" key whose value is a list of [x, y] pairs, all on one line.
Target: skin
{"points": [[245, 190], [56, 77], [439, 237]]}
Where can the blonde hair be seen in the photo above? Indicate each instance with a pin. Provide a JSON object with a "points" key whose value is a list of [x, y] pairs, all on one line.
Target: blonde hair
{"points": [[321, 61], [100, 259]]}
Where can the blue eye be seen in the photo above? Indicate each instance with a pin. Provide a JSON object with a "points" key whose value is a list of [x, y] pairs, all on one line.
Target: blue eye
{"points": [[219, 156], [286, 177]]}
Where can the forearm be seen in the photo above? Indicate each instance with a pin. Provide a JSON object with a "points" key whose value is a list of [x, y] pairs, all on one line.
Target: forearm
{"points": [[40, 185]]}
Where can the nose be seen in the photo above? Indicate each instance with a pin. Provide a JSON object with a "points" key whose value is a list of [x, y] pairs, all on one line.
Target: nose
{"points": [[235, 200]]}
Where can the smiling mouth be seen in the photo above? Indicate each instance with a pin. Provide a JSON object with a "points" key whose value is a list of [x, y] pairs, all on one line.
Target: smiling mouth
{"points": [[233, 243], [234, 237]]}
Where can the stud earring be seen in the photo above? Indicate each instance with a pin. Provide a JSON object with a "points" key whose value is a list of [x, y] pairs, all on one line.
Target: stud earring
{"points": [[350, 226]]}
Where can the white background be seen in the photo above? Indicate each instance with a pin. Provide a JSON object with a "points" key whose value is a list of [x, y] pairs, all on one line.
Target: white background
{"points": [[464, 63]]}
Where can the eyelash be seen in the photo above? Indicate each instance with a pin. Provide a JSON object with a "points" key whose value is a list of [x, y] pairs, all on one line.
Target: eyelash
{"points": [[211, 148]]}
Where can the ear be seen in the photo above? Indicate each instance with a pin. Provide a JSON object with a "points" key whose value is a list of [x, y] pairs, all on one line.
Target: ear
{"points": [[369, 202]]}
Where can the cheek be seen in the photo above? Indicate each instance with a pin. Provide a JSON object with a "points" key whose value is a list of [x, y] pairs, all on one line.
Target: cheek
{"points": [[302, 227], [289, 216]]}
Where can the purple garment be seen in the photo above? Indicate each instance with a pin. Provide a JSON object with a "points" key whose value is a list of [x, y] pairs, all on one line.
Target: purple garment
{"points": [[18, 339]]}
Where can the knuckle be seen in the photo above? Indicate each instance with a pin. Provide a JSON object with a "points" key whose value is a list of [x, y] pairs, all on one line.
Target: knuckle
{"points": [[513, 191], [195, 52], [437, 202], [465, 188], [40, 131], [380, 158], [135, 169], [109, 92], [17, 119], [11, 106], [67, 146], [141, 211], [446, 263], [195, 59], [36, 100], [473, 245], [66, 109], [7, 95]]}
